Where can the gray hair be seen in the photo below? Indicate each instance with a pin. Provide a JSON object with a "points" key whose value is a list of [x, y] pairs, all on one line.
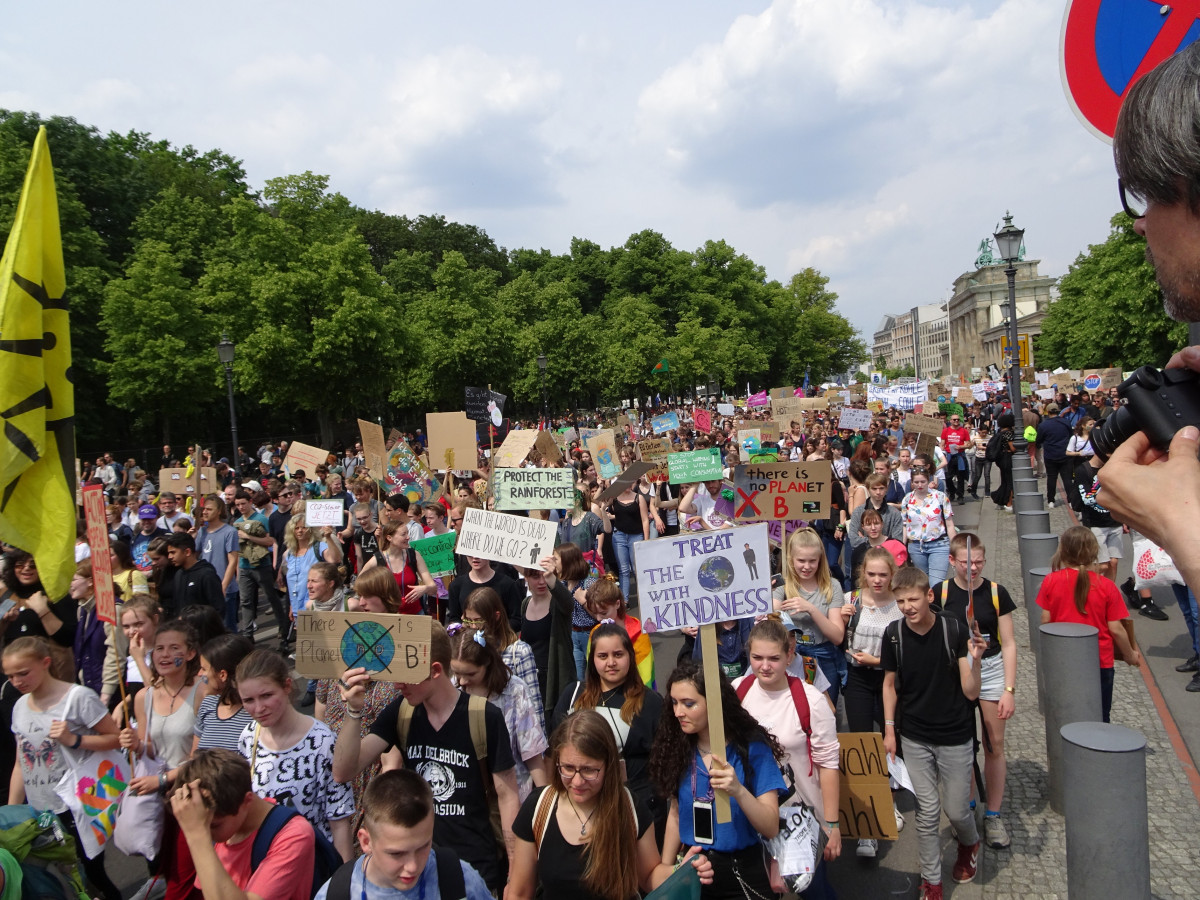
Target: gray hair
{"points": [[1156, 145]]}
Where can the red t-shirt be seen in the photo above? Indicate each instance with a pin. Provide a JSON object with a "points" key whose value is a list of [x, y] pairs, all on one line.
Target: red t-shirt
{"points": [[1104, 605], [287, 871], [955, 439]]}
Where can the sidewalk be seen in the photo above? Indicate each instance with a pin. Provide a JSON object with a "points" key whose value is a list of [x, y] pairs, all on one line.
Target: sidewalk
{"points": [[1035, 864]]}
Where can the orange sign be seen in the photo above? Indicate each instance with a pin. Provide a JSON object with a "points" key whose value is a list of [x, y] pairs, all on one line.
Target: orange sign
{"points": [[97, 535]]}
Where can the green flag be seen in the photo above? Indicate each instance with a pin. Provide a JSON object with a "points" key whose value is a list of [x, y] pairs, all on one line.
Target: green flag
{"points": [[663, 366]]}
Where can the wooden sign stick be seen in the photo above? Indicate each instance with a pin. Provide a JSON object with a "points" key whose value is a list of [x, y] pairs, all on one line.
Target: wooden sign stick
{"points": [[491, 453], [716, 712]]}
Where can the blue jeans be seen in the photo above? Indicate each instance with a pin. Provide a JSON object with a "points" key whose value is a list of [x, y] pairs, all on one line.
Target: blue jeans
{"points": [[1106, 692], [931, 557], [231, 608], [1191, 616], [832, 663], [623, 548], [579, 643]]}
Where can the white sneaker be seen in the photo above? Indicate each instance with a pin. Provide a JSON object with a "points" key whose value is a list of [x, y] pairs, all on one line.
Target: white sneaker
{"points": [[867, 848], [899, 820], [1008, 509], [1050, 504]]}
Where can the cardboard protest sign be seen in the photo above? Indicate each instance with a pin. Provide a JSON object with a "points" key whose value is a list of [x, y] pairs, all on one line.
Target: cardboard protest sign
{"points": [[98, 540], [749, 439], [664, 423], [603, 448], [702, 419], [781, 393], [625, 480], [786, 490], [725, 409], [304, 457], [179, 482], [855, 419], [915, 423], [703, 577], [875, 406], [694, 465], [865, 809], [769, 432], [438, 552], [925, 444], [1110, 378], [319, 513], [813, 402], [452, 441], [534, 488], [390, 647], [656, 451], [516, 540], [407, 474], [483, 405], [374, 448], [393, 436], [785, 409], [519, 443]]}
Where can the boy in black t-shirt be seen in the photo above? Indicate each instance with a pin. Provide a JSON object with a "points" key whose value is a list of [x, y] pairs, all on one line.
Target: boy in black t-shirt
{"points": [[968, 594], [440, 748], [928, 676]]}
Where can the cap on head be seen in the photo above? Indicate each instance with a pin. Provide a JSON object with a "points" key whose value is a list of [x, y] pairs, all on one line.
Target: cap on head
{"points": [[148, 511]]}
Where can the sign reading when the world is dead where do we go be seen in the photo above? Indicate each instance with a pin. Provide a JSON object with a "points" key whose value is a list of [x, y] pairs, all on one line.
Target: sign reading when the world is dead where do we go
{"points": [[502, 537], [390, 647]]}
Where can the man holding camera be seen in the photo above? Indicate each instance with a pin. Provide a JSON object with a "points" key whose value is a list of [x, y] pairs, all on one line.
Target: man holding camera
{"points": [[1157, 152]]}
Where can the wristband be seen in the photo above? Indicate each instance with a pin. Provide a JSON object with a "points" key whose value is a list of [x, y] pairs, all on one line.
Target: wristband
{"points": [[833, 826], [162, 782], [891, 722], [78, 741], [352, 714]]}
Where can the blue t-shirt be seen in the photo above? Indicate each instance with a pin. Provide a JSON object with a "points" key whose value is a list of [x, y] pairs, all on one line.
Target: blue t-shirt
{"points": [[297, 574], [425, 889], [738, 833]]}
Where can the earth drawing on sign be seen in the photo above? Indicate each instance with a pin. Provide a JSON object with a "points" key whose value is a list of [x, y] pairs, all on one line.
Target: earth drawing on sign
{"points": [[368, 644], [715, 574]]}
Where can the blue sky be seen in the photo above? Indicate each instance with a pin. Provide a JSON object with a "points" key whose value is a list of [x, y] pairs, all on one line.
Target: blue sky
{"points": [[876, 140]]}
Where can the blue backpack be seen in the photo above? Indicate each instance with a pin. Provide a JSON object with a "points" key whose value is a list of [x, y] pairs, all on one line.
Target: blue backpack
{"points": [[326, 859]]}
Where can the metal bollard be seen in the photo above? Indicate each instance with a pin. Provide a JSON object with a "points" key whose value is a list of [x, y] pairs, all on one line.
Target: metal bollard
{"points": [[1107, 814], [1033, 615], [1071, 662], [1033, 521], [1037, 550], [1023, 483], [1024, 501]]}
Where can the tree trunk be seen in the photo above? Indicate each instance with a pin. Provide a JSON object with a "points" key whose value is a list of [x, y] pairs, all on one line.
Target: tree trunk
{"points": [[325, 426]]}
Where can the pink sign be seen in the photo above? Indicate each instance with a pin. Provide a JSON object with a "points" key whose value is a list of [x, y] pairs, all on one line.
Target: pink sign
{"points": [[703, 420]]}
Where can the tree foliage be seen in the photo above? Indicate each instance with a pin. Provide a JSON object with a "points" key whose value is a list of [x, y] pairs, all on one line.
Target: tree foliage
{"points": [[338, 312], [1109, 310]]}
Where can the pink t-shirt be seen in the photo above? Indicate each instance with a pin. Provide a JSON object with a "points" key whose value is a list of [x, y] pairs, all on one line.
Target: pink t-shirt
{"points": [[1104, 605], [776, 710], [287, 871]]}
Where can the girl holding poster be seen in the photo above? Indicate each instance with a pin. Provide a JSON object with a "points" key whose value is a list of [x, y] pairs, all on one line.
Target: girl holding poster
{"points": [[55, 724], [687, 768], [810, 601]]}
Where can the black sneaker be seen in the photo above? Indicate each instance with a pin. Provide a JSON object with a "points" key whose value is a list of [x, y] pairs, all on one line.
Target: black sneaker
{"points": [[1131, 596], [1192, 665], [1193, 686], [1151, 610]]}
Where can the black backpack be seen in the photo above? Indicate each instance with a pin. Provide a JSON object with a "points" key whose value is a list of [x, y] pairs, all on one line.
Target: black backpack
{"points": [[326, 859], [451, 884], [994, 448]]}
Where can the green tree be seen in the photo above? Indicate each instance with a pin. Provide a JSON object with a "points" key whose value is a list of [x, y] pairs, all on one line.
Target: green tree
{"points": [[1109, 311], [817, 339]]}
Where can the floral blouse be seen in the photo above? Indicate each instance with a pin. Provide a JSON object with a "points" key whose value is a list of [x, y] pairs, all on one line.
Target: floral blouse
{"points": [[925, 520]]}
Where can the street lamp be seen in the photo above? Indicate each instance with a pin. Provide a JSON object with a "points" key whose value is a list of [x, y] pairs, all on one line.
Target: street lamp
{"points": [[541, 361], [225, 354], [1008, 243]]}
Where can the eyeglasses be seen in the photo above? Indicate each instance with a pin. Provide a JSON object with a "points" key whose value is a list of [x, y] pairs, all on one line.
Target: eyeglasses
{"points": [[28, 564], [1134, 206], [473, 623], [587, 773]]}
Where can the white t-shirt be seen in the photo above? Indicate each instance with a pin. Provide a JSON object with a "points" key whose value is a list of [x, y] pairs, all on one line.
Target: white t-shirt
{"points": [[43, 760], [776, 711], [300, 776]]}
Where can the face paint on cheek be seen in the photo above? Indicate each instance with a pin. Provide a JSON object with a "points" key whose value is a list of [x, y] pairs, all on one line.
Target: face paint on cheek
{"points": [[178, 661]]}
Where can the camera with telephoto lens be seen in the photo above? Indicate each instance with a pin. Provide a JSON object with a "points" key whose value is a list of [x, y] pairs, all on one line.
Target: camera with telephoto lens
{"points": [[1158, 403]]}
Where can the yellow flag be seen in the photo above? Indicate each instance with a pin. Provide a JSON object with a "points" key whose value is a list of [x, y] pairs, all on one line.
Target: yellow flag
{"points": [[37, 399]]}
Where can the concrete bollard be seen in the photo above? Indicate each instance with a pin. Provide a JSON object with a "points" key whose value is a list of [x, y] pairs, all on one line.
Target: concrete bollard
{"points": [[1023, 481], [1107, 813], [1033, 615], [1033, 521], [1021, 461], [1025, 501], [1071, 662], [1037, 550]]}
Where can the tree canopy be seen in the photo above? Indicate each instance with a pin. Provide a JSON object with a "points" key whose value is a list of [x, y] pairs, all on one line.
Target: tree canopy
{"points": [[338, 311], [1109, 311]]}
